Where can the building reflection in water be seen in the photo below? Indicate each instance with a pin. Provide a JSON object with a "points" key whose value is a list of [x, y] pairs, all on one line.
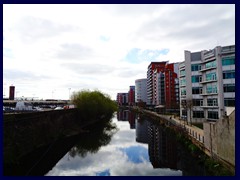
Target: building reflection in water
{"points": [[164, 150], [126, 115], [162, 147], [141, 130]]}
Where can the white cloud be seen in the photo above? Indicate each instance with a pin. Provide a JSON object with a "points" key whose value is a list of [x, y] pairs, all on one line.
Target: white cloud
{"points": [[84, 46]]}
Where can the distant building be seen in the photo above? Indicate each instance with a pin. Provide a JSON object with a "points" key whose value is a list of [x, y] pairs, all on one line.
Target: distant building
{"points": [[131, 96], [11, 92], [122, 99], [207, 84], [141, 90]]}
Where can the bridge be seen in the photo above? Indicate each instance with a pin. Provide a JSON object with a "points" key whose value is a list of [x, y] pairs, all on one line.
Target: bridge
{"points": [[12, 103]]}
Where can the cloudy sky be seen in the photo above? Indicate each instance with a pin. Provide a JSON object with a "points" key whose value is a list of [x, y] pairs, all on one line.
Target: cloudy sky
{"points": [[50, 51]]}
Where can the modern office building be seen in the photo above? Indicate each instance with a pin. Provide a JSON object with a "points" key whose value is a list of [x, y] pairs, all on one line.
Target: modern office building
{"points": [[207, 84], [141, 90]]}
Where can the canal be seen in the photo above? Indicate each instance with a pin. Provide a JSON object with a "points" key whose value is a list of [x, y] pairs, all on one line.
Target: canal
{"points": [[130, 145]]}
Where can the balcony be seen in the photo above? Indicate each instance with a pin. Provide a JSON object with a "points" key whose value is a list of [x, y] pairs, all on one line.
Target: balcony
{"points": [[208, 94], [182, 75], [208, 60], [206, 69], [209, 54], [210, 107], [182, 85], [228, 50], [209, 81]]}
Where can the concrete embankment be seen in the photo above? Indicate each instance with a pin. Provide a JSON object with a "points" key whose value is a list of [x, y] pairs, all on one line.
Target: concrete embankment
{"points": [[212, 143], [26, 132]]}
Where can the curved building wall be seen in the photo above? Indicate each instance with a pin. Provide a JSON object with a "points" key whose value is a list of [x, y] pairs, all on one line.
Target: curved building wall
{"points": [[141, 90]]}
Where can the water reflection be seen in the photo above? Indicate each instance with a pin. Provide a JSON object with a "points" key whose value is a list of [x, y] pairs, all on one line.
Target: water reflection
{"points": [[123, 156], [98, 135], [127, 115], [162, 147]]}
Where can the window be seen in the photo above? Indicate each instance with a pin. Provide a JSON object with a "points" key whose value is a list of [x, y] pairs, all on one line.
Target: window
{"points": [[210, 64], [212, 114], [196, 67], [182, 73], [197, 102], [198, 114], [196, 79], [228, 61], [211, 76], [196, 90], [212, 102], [183, 82], [230, 102], [211, 88], [229, 74], [183, 92], [184, 112], [229, 88]]}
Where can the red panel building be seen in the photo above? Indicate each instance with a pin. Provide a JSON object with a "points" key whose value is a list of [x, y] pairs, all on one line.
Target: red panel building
{"points": [[162, 79], [131, 96], [154, 67]]}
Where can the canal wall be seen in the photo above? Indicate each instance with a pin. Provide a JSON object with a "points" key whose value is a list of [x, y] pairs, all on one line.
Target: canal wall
{"points": [[220, 138], [217, 140], [26, 132]]}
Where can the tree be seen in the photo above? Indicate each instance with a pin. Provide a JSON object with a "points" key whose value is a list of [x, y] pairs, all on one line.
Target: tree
{"points": [[94, 104], [188, 106]]}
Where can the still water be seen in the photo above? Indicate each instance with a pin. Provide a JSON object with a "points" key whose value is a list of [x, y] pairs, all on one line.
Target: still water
{"points": [[130, 146]]}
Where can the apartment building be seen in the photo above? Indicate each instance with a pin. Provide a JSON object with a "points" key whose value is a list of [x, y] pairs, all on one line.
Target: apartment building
{"points": [[153, 69], [162, 85], [131, 96], [141, 90], [207, 84], [122, 99]]}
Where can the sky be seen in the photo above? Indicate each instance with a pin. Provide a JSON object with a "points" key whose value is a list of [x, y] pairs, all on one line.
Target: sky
{"points": [[51, 51]]}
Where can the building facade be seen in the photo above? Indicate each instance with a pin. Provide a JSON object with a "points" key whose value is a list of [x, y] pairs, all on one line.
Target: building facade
{"points": [[207, 84], [162, 85], [11, 92], [153, 69], [131, 96], [141, 90], [122, 99]]}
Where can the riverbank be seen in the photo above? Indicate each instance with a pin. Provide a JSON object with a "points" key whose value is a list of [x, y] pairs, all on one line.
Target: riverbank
{"points": [[29, 132], [192, 133]]}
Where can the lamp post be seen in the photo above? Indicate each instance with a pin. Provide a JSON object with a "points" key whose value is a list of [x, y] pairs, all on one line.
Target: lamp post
{"points": [[16, 94], [53, 92], [4, 89]]}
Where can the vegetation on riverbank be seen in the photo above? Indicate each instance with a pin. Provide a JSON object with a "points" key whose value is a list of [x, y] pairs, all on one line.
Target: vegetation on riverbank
{"points": [[212, 166], [94, 104]]}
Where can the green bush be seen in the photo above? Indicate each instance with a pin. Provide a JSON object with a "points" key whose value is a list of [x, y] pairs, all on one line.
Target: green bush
{"points": [[94, 104]]}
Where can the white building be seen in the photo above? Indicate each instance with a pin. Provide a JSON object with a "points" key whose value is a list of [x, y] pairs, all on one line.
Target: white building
{"points": [[141, 90], [207, 84]]}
